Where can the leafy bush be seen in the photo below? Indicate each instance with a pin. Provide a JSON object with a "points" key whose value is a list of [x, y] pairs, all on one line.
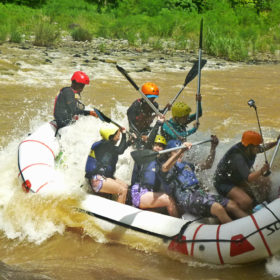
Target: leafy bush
{"points": [[15, 35], [46, 33], [4, 30], [81, 34]]}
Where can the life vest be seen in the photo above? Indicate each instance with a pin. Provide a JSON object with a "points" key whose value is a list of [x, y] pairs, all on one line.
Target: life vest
{"points": [[186, 175], [91, 164], [80, 106], [181, 176], [149, 175], [104, 163]]}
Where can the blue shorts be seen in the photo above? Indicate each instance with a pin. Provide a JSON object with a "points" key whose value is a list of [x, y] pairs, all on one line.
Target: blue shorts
{"points": [[136, 193]]}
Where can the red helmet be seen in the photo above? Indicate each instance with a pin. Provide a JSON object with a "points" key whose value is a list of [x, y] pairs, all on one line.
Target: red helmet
{"points": [[80, 77], [150, 90]]}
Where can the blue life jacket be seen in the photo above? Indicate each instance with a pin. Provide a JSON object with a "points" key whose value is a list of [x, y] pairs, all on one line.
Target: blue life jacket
{"points": [[91, 165], [185, 174], [149, 176], [102, 159]]}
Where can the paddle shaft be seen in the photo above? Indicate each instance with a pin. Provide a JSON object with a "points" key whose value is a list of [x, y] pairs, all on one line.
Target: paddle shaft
{"points": [[139, 90], [125, 74], [199, 70], [182, 146], [274, 153], [261, 133], [190, 76], [104, 118]]}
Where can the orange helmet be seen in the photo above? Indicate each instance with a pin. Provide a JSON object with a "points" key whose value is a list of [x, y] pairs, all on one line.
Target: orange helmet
{"points": [[251, 138], [150, 90]]}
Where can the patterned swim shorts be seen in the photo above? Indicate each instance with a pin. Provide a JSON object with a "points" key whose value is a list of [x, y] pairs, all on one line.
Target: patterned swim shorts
{"points": [[198, 202], [136, 193], [96, 182]]}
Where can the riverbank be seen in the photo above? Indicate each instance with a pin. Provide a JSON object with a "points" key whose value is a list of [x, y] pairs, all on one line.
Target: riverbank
{"points": [[71, 53]]}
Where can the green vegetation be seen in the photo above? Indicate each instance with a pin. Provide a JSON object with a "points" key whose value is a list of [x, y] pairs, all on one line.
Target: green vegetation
{"points": [[233, 29]]}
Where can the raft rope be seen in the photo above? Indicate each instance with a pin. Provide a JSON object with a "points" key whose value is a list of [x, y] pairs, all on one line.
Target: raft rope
{"points": [[178, 237]]}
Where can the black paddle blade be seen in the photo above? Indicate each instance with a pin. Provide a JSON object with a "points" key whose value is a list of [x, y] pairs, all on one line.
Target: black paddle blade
{"points": [[127, 76], [101, 116], [201, 32], [194, 71], [143, 156]]}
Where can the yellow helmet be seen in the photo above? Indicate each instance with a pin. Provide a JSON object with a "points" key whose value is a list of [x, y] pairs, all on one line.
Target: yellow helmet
{"points": [[160, 140], [107, 132], [180, 109]]}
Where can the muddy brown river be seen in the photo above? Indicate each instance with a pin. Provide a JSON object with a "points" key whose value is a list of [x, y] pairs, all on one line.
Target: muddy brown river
{"points": [[34, 240]]}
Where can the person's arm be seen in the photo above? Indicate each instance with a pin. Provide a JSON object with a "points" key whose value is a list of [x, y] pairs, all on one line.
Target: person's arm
{"points": [[192, 117], [172, 160], [154, 132], [269, 146], [258, 173], [211, 157], [123, 145]]}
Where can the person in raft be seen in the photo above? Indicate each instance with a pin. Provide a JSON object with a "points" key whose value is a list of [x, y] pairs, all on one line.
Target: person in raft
{"points": [[140, 115], [67, 104], [235, 173], [176, 127], [145, 193], [180, 181], [102, 160]]}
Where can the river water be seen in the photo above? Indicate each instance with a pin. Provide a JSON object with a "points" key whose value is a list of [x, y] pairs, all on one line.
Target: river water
{"points": [[35, 237]]}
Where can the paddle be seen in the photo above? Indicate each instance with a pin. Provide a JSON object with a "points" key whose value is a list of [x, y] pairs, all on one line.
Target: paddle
{"points": [[138, 89], [190, 76], [199, 70], [252, 103], [143, 156], [106, 119], [274, 153], [125, 74]]}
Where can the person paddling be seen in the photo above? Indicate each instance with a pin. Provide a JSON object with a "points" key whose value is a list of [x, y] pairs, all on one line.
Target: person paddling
{"points": [[140, 115], [102, 160], [176, 127], [67, 105], [145, 193], [235, 174], [181, 182]]}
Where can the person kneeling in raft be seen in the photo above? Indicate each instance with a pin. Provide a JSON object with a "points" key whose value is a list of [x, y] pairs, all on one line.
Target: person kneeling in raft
{"points": [[234, 176], [181, 182], [102, 160]]}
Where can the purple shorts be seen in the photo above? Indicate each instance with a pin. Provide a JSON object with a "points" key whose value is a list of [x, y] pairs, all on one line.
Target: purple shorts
{"points": [[96, 182], [136, 193]]}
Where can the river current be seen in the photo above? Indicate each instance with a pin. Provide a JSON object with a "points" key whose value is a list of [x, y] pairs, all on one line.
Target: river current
{"points": [[35, 237]]}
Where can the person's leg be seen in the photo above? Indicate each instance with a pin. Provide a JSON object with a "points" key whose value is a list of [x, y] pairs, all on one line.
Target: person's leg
{"points": [[220, 212], [243, 200], [156, 200], [115, 187], [235, 210]]}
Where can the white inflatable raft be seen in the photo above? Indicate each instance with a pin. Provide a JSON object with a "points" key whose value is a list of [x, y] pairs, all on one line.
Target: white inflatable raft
{"points": [[36, 159], [245, 240]]}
